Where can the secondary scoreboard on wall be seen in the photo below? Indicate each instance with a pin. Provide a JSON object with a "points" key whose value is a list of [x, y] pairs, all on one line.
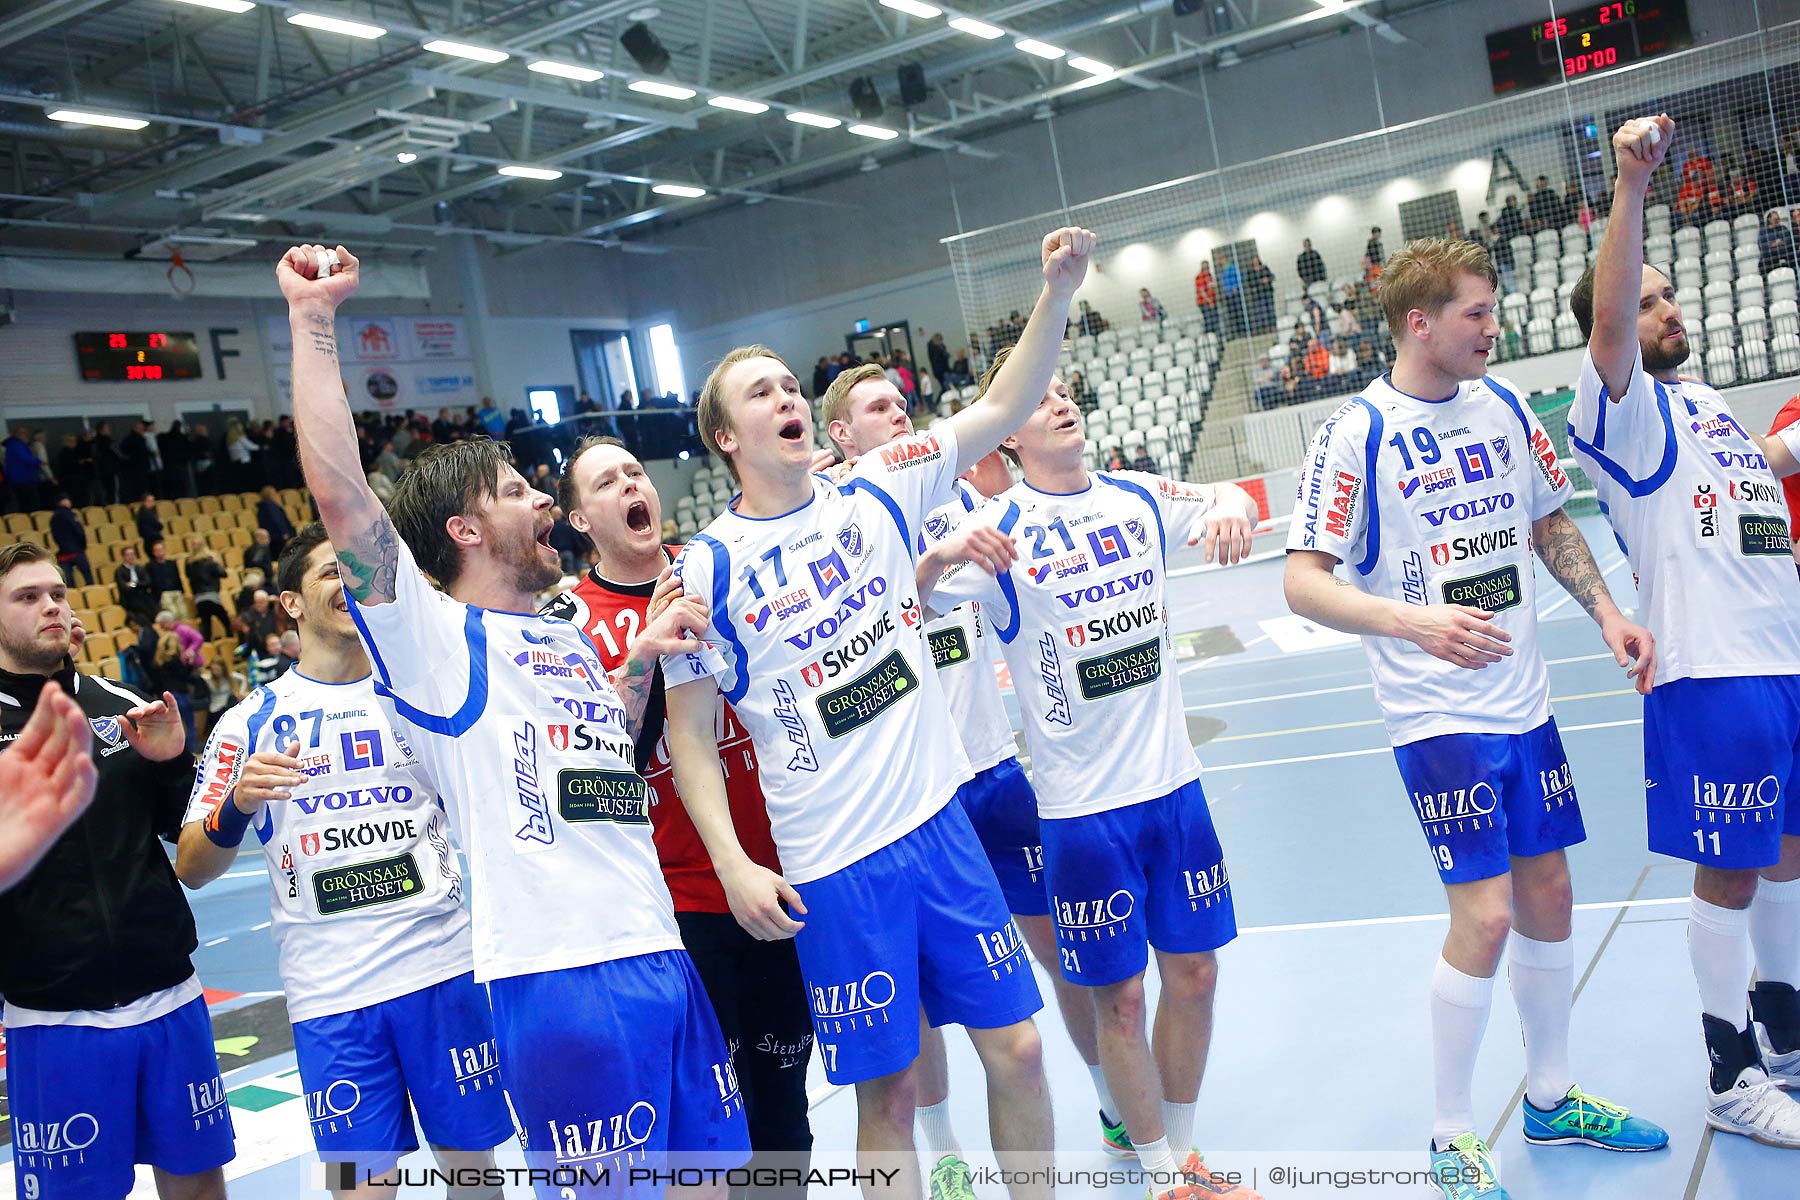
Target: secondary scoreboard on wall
{"points": [[134, 357], [1583, 41]]}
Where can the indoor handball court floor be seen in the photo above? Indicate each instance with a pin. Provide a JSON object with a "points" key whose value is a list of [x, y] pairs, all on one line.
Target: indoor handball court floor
{"points": [[1320, 1054]]}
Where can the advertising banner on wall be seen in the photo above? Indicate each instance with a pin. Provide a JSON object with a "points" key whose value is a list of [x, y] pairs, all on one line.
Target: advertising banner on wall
{"points": [[390, 364]]}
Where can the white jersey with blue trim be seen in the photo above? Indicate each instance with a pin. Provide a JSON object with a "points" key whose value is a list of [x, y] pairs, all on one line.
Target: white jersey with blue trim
{"points": [[1702, 519], [816, 640], [366, 896], [964, 657], [1431, 502], [1084, 625], [520, 731]]}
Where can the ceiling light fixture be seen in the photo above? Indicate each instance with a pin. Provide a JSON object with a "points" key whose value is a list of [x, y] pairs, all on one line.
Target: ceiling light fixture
{"points": [[737, 105], [913, 8], [230, 6], [355, 29], [1040, 49], [650, 87], [73, 116], [544, 66], [974, 28], [878, 132], [679, 189], [464, 50], [816, 120], [518, 172]]}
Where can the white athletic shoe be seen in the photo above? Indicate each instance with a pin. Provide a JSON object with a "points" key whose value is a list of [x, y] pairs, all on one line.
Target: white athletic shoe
{"points": [[1756, 1108], [1784, 1069]]}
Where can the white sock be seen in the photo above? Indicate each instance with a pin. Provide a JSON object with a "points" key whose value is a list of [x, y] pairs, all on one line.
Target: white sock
{"points": [[1156, 1158], [1178, 1124], [1459, 1015], [1102, 1091], [1775, 931], [934, 1127], [1719, 947], [1542, 975]]}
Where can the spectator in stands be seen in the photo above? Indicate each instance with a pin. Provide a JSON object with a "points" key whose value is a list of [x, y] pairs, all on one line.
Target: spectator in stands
{"points": [[1116, 460], [1143, 462], [1318, 361], [381, 485], [1575, 206], [1510, 223], [248, 583], [1267, 381], [1081, 393], [1318, 324], [1372, 250], [283, 453], [1343, 360], [70, 536], [134, 460], [203, 456], [172, 449], [206, 579], [133, 583], [273, 518], [1698, 200], [1310, 264], [149, 520], [1774, 244], [241, 450], [542, 480], [1231, 284], [1090, 323], [224, 688], [937, 352], [909, 383], [47, 480], [1545, 209], [107, 464], [1740, 194], [567, 541], [23, 478], [1346, 326], [260, 553], [1206, 296], [1150, 308], [821, 376], [1499, 244], [390, 463], [443, 430], [260, 620], [165, 578], [1259, 288], [266, 661], [494, 424], [1290, 383], [962, 372]]}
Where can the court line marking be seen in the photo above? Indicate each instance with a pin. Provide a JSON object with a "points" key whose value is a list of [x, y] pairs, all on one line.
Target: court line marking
{"points": [[1244, 737], [1210, 769], [1423, 918], [1351, 687], [1605, 570]]}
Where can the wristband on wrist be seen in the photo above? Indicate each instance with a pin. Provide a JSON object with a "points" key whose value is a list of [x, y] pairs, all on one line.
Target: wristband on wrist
{"points": [[225, 824]]}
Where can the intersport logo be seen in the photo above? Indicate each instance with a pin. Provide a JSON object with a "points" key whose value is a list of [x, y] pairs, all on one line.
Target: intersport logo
{"points": [[1468, 510]]}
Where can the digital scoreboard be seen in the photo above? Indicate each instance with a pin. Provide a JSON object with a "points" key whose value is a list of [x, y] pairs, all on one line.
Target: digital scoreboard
{"points": [[135, 357], [1584, 41]]}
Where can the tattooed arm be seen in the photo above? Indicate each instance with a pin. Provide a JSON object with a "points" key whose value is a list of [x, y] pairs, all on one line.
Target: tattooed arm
{"points": [[1566, 556], [368, 545], [673, 624]]}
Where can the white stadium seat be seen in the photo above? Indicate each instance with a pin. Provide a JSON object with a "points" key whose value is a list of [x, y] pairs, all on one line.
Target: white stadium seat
{"points": [[1721, 367], [1721, 331], [1784, 349], [1784, 317], [1753, 324], [1568, 332], [1756, 358]]}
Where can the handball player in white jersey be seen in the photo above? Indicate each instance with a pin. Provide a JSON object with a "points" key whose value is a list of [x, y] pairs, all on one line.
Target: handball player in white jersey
{"points": [[1132, 860], [815, 639], [612, 1056], [862, 411], [1694, 500], [1432, 488], [365, 891]]}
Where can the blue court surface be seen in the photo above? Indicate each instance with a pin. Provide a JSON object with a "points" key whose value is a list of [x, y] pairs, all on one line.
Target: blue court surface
{"points": [[1321, 1047]]}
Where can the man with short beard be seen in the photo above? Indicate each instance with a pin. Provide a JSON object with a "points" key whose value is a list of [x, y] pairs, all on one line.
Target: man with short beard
{"points": [[377, 976], [612, 1053], [755, 986], [1693, 498], [108, 1038]]}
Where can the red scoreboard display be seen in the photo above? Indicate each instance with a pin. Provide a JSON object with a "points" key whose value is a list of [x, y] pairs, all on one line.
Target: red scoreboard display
{"points": [[1583, 41], [137, 357]]}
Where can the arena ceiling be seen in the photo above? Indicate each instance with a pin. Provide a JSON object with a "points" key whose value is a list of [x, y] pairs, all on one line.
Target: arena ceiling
{"points": [[261, 124]]}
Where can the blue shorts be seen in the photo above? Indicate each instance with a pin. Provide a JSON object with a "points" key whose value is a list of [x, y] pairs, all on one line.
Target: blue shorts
{"points": [[1720, 757], [1484, 799], [1148, 874], [88, 1104], [1003, 809], [437, 1044], [920, 922], [615, 1066]]}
